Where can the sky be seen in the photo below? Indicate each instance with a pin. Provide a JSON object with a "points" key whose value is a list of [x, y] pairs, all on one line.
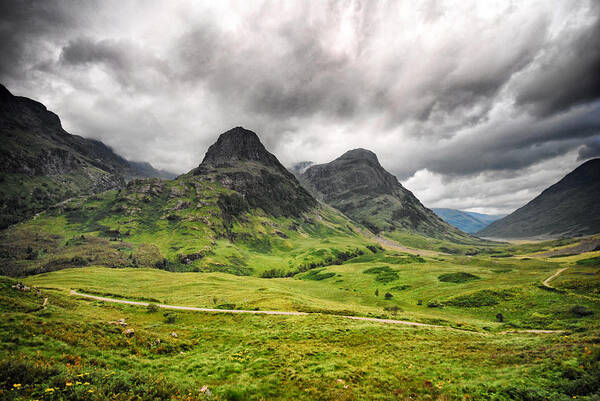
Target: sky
{"points": [[474, 105]]}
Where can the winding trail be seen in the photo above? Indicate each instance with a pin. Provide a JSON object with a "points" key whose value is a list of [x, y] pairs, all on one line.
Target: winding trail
{"points": [[266, 312], [546, 283]]}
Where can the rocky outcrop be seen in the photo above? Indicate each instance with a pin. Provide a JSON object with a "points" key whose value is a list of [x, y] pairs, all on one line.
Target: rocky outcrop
{"points": [[357, 185], [239, 161]]}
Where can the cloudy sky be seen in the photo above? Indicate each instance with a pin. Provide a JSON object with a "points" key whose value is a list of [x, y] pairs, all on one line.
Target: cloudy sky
{"points": [[476, 105]]}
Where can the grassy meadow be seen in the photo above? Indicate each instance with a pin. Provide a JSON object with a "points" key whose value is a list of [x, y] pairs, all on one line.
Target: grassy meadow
{"points": [[69, 350]]}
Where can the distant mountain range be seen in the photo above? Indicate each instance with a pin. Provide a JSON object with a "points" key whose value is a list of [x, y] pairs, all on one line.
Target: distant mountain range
{"points": [[357, 185], [42, 164], [569, 208], [468, 222]]}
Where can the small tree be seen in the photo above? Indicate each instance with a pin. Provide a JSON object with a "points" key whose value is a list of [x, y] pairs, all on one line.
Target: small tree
{"points": [[151, 308], [377, 292], [500, 317]]}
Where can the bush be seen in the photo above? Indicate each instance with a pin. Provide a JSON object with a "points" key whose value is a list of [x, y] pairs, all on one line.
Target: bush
{"points": [[580, 311], [317, 275], [434, 304], [170, 317], [388, 295], [152, 308], [459, 277], [595, 261], [384, 274]]}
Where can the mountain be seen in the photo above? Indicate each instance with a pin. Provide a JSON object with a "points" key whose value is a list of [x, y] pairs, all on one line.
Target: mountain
{"points": [[240, 211], [42, 164], [240, 162], [357, 185], [468, 222], [569, 208]]}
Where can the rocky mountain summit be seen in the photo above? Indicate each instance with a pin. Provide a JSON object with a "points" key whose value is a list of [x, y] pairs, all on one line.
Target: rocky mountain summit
{"points": [[569, 208], [240, 162], [42, 164], [357, 185]]}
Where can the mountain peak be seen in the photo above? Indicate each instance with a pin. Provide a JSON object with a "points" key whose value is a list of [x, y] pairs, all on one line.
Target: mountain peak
{"points": [[237, 144], [360, 154]]}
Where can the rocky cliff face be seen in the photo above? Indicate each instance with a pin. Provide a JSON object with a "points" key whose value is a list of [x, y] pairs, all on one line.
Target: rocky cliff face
{"points": [[41, 163], [569, 208], [357, 185], [239, 161]]}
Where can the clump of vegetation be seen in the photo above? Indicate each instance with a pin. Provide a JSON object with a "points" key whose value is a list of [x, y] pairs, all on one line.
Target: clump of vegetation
{"points": [[435, 304], [480, 298], [591, 262], [400, 287], [384, 274], [170, 317], [459, 277], [580, 311], [317, 275], [152, 308], [388, 295]]}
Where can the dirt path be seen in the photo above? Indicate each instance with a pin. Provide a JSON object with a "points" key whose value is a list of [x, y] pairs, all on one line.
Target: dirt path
{"points": [[546, 283], [190, 308], [264, 312], [397, 246]]}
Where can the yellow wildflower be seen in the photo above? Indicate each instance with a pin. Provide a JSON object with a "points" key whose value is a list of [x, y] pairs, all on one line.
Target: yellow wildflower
{"points": [[49, 390], [17, 385]]}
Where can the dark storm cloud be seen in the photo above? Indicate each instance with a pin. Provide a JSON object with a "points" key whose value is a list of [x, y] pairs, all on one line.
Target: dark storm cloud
{"points": [[126, 62], [459, 89], [568, 73], [25, 28]]}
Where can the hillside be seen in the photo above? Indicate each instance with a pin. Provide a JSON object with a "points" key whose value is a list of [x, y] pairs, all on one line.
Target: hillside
{"points": [[357, 185], [468, 222], [42, 164], [569, 208], [239, 212]]}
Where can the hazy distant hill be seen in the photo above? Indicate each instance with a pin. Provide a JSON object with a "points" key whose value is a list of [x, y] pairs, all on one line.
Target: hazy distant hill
{"points": [[42, 164], [468, 222], [357, 185], [571, 207]]}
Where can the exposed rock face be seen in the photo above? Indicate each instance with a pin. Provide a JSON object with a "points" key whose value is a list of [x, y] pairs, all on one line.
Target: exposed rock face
{"points": [[356, 184], [569, 208], [236, 145], [239, 161], [42, 164]]}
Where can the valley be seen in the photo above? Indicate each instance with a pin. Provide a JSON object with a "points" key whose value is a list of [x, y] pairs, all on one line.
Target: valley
{"points": [[239, 281]]}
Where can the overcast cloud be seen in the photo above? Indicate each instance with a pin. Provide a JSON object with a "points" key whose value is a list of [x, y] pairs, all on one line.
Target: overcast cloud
{"points": [[477, 105]]}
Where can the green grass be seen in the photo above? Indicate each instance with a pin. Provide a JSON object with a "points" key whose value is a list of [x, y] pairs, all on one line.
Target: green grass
{"points": [[71, 348], [182, 225]]}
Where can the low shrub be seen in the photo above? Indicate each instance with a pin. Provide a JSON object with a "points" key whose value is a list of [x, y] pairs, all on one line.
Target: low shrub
{"points": [[459, 277]]}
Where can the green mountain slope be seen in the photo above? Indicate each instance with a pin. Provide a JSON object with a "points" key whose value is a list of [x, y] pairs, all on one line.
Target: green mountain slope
{"points": [[239, 212], [42, 164], [357, 185], [569, 208], [468, 222]]}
